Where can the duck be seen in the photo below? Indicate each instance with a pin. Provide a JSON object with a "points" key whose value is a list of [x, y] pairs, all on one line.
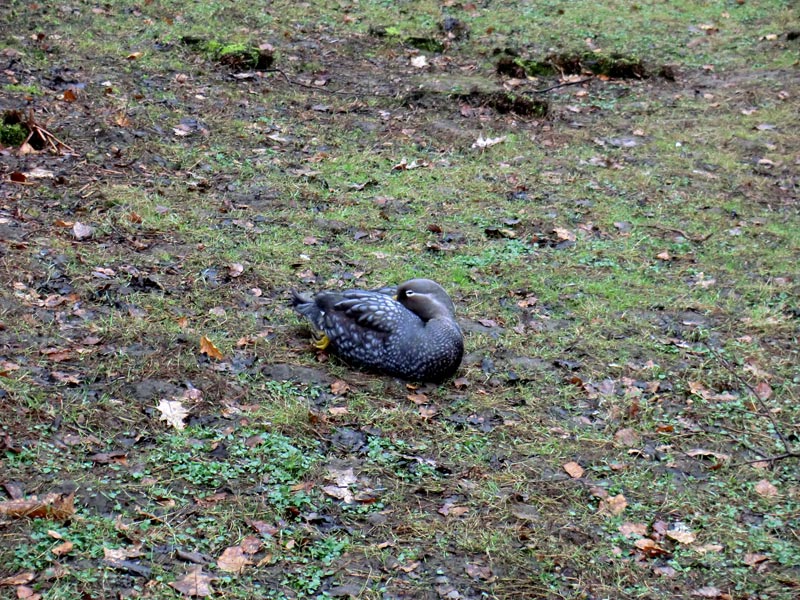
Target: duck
{"points": [[409, 332]]}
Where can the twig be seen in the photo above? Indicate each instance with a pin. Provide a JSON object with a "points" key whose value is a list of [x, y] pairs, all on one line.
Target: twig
{"points": [[681, 232], [769, 459], [752, 390], [560, 85]]}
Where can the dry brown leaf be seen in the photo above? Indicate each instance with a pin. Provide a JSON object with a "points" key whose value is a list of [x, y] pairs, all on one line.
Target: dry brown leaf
{"points": [[233, 560], [427, 412], [409, 567], [53, 506], [627, 437], [564, 234], [115, 556], [251, 544], [682, 535], [630, 529], [765, 489], [418, 398], [752, 559], [763, 390], [702, 452], [649, 547], [461, 383], [207, 347], [449, 509], [340, 493], [63, 548], [613, 504], [706, 548], [194, 582], [18, 579], [573, 469], [339, 387]]}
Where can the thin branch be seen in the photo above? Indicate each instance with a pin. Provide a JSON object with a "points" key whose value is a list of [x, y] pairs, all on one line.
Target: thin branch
{"points": [[751, 389], [560, 85], [681, 232], [769, 459]]}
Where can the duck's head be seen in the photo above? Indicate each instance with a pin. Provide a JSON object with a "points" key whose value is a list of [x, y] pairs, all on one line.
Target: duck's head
{"points": [[425, 298]]}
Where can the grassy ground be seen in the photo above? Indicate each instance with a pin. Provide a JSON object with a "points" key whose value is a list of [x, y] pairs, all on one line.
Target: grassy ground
{"points": [[625, 423]]}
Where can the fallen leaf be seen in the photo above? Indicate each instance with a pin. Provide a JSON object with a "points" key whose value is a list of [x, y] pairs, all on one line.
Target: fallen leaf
{"points": [[665, 571], [251, 544], [339, 387], [708, 591], [81, 231], [482, 142], [58, 507], [627, 437], [208, 348], [702, 452], [478, 571], [449, 509], [418, 398], [705, 548], [427, 412], [341, 493], [194, 582], [682, 535], [18, 579], [409, 567], [649, 547], [461, 383], [63, 548], [765, 489], [235, 270], [763, 390], [613, 504], [233, 560], [752, 559], [115, 556], [564, 234], [630, 529], [573, 469], [173, 412]]}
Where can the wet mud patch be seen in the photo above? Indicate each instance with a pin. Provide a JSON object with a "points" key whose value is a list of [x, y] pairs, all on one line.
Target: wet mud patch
{"points": [[617, 66], [453, 92]]}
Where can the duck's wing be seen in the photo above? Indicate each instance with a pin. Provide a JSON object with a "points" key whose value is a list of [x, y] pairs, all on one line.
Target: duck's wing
{"points": [[373, 310]]}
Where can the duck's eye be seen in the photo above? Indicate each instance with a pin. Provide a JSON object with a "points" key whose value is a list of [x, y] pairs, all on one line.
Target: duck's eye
{"points": [[408, 293]]}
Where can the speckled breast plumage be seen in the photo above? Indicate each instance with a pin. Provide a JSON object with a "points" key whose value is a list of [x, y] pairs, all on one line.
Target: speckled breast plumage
{"points": [[414, 337]]}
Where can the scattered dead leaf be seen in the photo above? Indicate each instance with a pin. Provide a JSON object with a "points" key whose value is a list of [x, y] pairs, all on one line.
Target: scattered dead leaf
{"points": [[573, 469], [340, 387], [194, 583], [233, 560], [81, 231], [649, 548], [765, 489], [18, 579], [58, 507], [173, 412], [613, 504], [630, 529], [208, 348]]}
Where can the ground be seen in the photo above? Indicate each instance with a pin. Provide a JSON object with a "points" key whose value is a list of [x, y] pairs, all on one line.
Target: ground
{"points": [[608, 191]]}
